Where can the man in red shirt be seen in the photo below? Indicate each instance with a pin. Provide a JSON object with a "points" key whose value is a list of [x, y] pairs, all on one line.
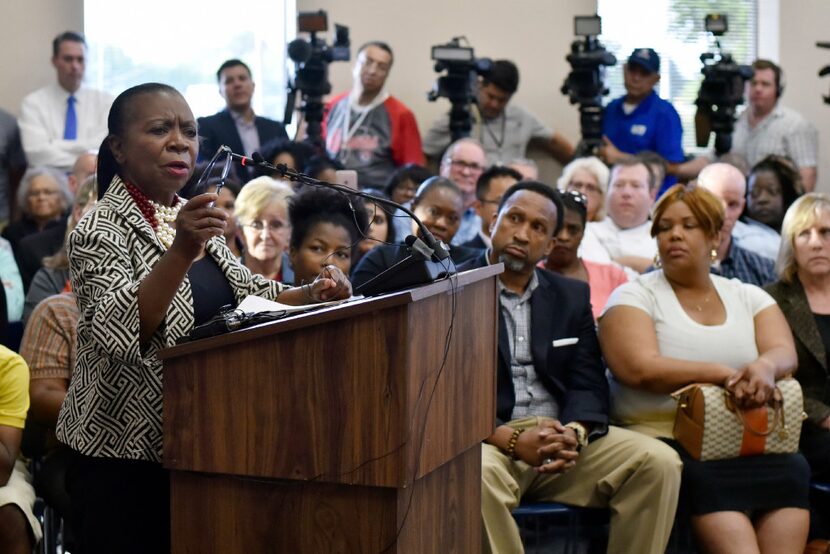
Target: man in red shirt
{"points": [[367, 129]]}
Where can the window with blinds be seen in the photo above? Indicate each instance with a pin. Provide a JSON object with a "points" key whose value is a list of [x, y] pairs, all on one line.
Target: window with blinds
{"points": [[182, 44], [675, 29]]}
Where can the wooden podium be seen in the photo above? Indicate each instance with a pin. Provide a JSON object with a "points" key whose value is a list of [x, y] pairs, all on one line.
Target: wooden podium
{"points": [[338, 430]]}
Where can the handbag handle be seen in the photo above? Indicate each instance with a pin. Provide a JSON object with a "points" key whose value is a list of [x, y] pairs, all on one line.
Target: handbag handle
{"points": [[777, 403]]}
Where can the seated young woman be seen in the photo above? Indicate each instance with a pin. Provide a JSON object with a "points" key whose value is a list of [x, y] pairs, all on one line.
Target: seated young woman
{"points": [[327, 227]]}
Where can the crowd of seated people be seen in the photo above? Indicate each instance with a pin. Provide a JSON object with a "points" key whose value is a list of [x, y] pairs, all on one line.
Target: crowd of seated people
{"points": [[658, 281]]}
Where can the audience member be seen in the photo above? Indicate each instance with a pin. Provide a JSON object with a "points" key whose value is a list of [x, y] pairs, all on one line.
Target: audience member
{"points": [[48, 346], [367, 129], [503, 128], [65, 119], [730, 259], [602, 279], [774, 184], [552, 440], [19, 528], [641, 120], [682, 325], [227, 203], [12, 164], [380, 229], [590, 177], [140, 285], [463, 163], [766, 127], [489, 189], [293, 155], [623, 235], [404, 182], [262, 212], [237, 126], [438, 204], [326, 231], [53, 277], [401, 188], [323, 168], [33, 248], [803, 293], [43, 197], [527, 167], [12, 284]]}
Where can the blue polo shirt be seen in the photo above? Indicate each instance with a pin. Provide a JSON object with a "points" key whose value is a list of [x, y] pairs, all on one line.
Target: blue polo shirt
{"points": [[653, 125]]}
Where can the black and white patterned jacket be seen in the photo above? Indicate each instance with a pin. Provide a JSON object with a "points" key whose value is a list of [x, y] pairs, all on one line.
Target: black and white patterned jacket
{"points": [[114, 404]]}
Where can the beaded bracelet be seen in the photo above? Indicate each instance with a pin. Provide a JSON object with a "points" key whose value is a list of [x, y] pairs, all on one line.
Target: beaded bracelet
{"points": [[511, 444]]}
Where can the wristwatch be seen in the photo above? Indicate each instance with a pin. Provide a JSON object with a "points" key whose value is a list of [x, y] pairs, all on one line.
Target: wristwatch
{"points": [[581, 434]]}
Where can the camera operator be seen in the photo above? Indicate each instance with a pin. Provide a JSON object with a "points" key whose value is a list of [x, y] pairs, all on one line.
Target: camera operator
{"points": [[766, 127], [641, 120], [503, 128], [367, 129]]}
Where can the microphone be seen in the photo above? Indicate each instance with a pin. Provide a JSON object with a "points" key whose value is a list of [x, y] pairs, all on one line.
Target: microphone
{"points": [[429, 243]]}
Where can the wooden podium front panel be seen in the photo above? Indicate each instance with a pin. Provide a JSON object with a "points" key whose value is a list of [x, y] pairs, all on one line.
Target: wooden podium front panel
{"points": [[318, 403], [460, 397], [221, 514], [351, 401]]}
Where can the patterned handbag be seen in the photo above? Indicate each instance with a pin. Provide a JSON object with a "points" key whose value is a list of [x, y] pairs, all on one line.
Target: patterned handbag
{"points": [[710, 426]]}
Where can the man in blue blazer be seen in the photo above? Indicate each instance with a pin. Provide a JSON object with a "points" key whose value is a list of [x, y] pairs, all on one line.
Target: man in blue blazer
{"points": [[237, 126], [552, 440]]}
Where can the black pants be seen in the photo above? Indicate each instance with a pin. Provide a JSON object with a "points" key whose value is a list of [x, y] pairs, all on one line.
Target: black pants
{"points": [[119, 506]]}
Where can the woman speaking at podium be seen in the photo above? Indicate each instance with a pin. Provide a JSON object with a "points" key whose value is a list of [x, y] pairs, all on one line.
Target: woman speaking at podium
{"points": [[146, 267]]}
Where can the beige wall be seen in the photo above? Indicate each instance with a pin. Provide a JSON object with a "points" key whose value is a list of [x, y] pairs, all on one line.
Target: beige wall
{"points": [[536, 34], [27, 29], [801, 28]]}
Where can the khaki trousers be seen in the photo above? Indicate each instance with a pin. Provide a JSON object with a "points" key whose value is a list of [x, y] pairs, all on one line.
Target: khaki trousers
{"points": [[635, 476]]}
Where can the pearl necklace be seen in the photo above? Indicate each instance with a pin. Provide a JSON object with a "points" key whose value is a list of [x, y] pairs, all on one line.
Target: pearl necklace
{"points": [[164, 216], [157, 215]]}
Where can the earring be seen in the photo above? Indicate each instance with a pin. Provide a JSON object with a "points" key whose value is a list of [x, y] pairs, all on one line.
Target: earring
{"points": [[713, 255], [657, 262]]}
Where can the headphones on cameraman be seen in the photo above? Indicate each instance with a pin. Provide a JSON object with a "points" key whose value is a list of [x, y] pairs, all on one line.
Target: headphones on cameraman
{"points": [[779, 76]]}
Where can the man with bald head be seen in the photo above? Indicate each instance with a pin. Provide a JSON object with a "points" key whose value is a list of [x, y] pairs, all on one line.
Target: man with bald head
{"points": [[732, 261], [463, 163]]}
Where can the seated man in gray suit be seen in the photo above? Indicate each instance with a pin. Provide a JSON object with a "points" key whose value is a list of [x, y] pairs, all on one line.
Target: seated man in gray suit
{"points": [[237, 126]]}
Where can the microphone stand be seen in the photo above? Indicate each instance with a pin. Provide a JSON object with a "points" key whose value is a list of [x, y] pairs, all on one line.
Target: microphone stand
{"points": [[430, 244]]}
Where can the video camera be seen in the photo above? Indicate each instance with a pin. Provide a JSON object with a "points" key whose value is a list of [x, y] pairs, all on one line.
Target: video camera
{"points": [[460, 84], [312, 58], [585, 84], [721, 91]]}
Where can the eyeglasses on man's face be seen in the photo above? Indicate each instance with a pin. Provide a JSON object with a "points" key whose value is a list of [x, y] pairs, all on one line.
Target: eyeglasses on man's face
{"points": [[462, 165]]}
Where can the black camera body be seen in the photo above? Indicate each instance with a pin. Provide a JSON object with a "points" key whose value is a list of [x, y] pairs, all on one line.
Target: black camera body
{"points": [[312, 58], [585, 84], [459, 84], [721, 91]]}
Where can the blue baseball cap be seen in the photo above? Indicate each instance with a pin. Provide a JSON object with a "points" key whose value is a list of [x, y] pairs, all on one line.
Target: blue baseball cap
{"points": [[646, 58]]}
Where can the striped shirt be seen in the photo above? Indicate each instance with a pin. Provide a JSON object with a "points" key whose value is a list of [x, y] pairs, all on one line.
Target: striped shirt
{"points": [[48, 344], [532, 398]]}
